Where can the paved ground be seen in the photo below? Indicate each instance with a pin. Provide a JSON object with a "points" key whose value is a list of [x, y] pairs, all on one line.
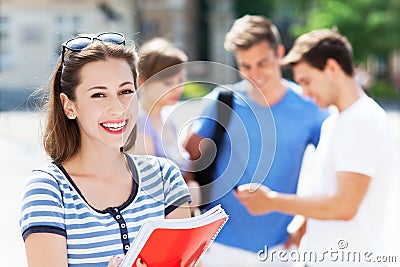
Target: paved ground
{"points": [[20, 151]]}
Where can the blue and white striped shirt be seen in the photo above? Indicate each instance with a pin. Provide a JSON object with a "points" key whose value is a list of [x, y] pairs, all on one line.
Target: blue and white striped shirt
{"points": [[53, 204]]}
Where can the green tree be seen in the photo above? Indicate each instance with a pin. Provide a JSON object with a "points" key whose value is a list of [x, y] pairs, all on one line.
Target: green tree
{"points": [[282, 12], [370, 25]]}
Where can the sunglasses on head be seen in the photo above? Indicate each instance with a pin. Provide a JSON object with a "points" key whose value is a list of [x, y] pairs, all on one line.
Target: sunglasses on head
{"points": [[79, 43]]}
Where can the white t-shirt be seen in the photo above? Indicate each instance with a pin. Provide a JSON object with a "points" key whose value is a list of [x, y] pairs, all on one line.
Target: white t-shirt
{"points": [[355, 140]]}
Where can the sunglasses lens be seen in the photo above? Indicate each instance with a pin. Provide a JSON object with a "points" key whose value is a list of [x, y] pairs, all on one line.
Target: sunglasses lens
{"points": [[115, 38], [78, 44]]}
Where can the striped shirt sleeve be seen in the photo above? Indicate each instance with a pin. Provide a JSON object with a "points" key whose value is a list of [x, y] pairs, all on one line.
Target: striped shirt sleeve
{"points": [[175, 189], [42, 209]]}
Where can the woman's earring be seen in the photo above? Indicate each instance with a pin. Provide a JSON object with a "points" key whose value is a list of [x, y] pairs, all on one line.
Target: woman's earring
{"points": [[71, 116]]}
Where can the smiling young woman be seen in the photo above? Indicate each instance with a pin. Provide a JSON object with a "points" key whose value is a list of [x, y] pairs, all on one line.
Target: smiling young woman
{"points": [[89, 202]]}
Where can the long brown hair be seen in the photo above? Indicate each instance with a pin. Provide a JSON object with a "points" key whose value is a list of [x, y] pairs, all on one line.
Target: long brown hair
{"points": [[61, 138]]}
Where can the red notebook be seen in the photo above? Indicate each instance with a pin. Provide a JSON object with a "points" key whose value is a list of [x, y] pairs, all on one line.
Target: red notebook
{"points": [[175, 242]]}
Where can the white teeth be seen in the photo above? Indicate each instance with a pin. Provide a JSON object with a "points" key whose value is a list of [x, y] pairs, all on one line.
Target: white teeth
{"points": [[114, 126]]}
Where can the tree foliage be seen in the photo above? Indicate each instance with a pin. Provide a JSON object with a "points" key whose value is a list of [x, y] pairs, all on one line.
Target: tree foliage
{"points": [[370, 25]]}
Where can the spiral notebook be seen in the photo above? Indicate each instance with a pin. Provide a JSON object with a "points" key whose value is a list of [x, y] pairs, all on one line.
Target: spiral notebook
{"points": [[175, 242]]}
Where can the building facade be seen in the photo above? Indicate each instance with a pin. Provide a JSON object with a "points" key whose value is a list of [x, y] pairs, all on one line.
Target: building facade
{"points": [[31, 33], [198, 27]]}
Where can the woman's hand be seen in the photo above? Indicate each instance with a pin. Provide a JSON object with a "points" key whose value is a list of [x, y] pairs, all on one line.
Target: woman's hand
{"points": [[116, 261], [140, 264]]}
